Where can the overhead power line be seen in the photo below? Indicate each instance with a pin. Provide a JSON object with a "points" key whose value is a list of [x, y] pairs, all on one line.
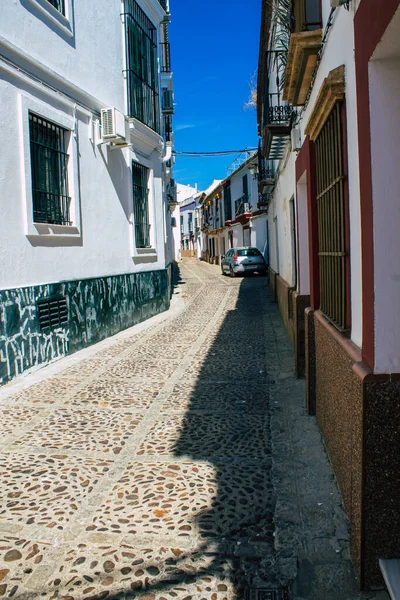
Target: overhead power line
{"points": [[218, 153]]}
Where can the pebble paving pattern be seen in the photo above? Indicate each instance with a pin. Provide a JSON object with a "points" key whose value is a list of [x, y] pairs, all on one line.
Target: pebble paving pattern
{"points": [[144, 471], [140, 472]]}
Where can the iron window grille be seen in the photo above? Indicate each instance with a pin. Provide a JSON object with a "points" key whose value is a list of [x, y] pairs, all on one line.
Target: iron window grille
{"points": [[142, 66], [49, 169], [140, 177], [59, 5], [332, 220], [52, 312]]}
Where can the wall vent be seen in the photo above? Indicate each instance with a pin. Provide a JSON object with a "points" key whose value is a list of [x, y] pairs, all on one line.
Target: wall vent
{"points": [[52, 312]]}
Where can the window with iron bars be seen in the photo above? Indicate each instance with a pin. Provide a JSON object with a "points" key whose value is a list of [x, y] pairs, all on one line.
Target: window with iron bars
{"points": [[142, 66], [140, 177], [58, 4], [49, 171], [332, 215]]}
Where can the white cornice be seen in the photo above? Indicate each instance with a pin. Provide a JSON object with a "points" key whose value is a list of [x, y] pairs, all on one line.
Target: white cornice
{"points": [[153, 10], [145, 139]]}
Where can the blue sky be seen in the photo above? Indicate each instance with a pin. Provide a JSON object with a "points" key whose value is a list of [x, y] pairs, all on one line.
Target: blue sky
{"points": [[214, 54]]}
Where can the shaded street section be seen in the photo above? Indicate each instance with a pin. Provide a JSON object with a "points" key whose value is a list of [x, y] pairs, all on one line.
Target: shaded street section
{"points": [[176, 462]]}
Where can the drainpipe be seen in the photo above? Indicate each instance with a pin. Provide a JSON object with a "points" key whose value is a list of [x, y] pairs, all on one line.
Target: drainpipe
{"points": [[168, 152]]}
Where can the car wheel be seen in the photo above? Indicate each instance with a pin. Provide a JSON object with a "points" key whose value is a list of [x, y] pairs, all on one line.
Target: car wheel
{"points": [[222, 271], [232, 272]]}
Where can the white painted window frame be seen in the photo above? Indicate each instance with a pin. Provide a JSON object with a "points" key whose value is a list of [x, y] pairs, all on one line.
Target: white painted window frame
{"points": [[68, 122], [62, 22]]}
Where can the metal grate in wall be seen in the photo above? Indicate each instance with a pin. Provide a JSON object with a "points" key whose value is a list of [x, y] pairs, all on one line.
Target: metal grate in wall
{"points": [[267, 594], [331, 220], [52, 312]]}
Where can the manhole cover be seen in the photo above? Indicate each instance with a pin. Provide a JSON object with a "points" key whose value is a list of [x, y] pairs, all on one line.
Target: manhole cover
{"points": [[267, 595]]}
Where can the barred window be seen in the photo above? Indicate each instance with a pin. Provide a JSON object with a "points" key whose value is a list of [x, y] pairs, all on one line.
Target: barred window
{"points": [[331, 200], [59, 5], [140, 177], [49, 169], [142, 66]]}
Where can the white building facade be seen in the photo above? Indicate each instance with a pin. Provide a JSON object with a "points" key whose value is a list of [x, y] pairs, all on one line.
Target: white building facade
{"points": [[85, 248], [191, 242], [328, 100], [234, 213]]}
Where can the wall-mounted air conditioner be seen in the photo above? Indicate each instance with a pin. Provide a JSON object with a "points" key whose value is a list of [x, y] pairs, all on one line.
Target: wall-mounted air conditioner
{"points": [[168, 101], [295, 139], [112, 126]]}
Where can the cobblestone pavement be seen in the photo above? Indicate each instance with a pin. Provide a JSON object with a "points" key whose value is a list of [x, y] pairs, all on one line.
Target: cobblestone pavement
{"points": [[174, 462]]}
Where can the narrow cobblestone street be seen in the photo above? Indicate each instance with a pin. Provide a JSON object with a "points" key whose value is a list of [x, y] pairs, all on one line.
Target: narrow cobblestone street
{"points": [[176, 462]]}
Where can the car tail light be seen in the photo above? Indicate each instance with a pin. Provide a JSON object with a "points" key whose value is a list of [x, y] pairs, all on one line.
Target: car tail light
{"points": [[235, 258]]}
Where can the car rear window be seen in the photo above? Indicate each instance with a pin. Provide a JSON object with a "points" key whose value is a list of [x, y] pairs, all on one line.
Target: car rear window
{"points": [[249, 252]]}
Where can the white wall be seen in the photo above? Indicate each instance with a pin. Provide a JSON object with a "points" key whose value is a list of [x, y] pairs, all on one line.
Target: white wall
{"points": [[237, 235], [279, 215], [384, 84], [338, 50], [303, 259], [101, 240], [258, 226]]}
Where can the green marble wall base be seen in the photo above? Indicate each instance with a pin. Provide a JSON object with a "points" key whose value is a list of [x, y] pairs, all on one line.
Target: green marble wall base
{"points": [[97, 309]]}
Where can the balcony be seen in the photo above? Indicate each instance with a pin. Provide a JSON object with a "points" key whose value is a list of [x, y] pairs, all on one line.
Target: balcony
{"points": [[301, 62], [242, 206], [263, 201], [277, 128]]}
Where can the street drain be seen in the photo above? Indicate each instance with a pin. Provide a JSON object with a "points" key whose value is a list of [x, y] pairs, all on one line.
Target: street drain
{"points": [[264, 594]]}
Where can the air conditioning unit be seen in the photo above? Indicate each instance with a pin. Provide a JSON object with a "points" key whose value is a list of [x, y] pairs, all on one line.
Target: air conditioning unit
{"points": [[113, 125], [295, 139], [168, 101]]}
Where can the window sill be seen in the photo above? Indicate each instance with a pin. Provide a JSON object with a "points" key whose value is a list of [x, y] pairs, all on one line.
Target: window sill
{"points": [[48, 230], [63, 23], [145, 256]]}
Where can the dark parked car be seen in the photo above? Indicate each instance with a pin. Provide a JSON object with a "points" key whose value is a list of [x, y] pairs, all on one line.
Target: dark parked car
{"points": [[243, 260]]}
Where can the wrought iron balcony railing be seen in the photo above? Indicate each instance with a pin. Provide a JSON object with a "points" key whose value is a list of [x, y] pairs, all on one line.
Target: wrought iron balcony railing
{"points": [[242, 205], [277, 128], [280, 114], [263, 200]]}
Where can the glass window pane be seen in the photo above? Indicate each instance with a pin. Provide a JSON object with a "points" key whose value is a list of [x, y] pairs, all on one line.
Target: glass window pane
{"points": [[313, 11]]}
